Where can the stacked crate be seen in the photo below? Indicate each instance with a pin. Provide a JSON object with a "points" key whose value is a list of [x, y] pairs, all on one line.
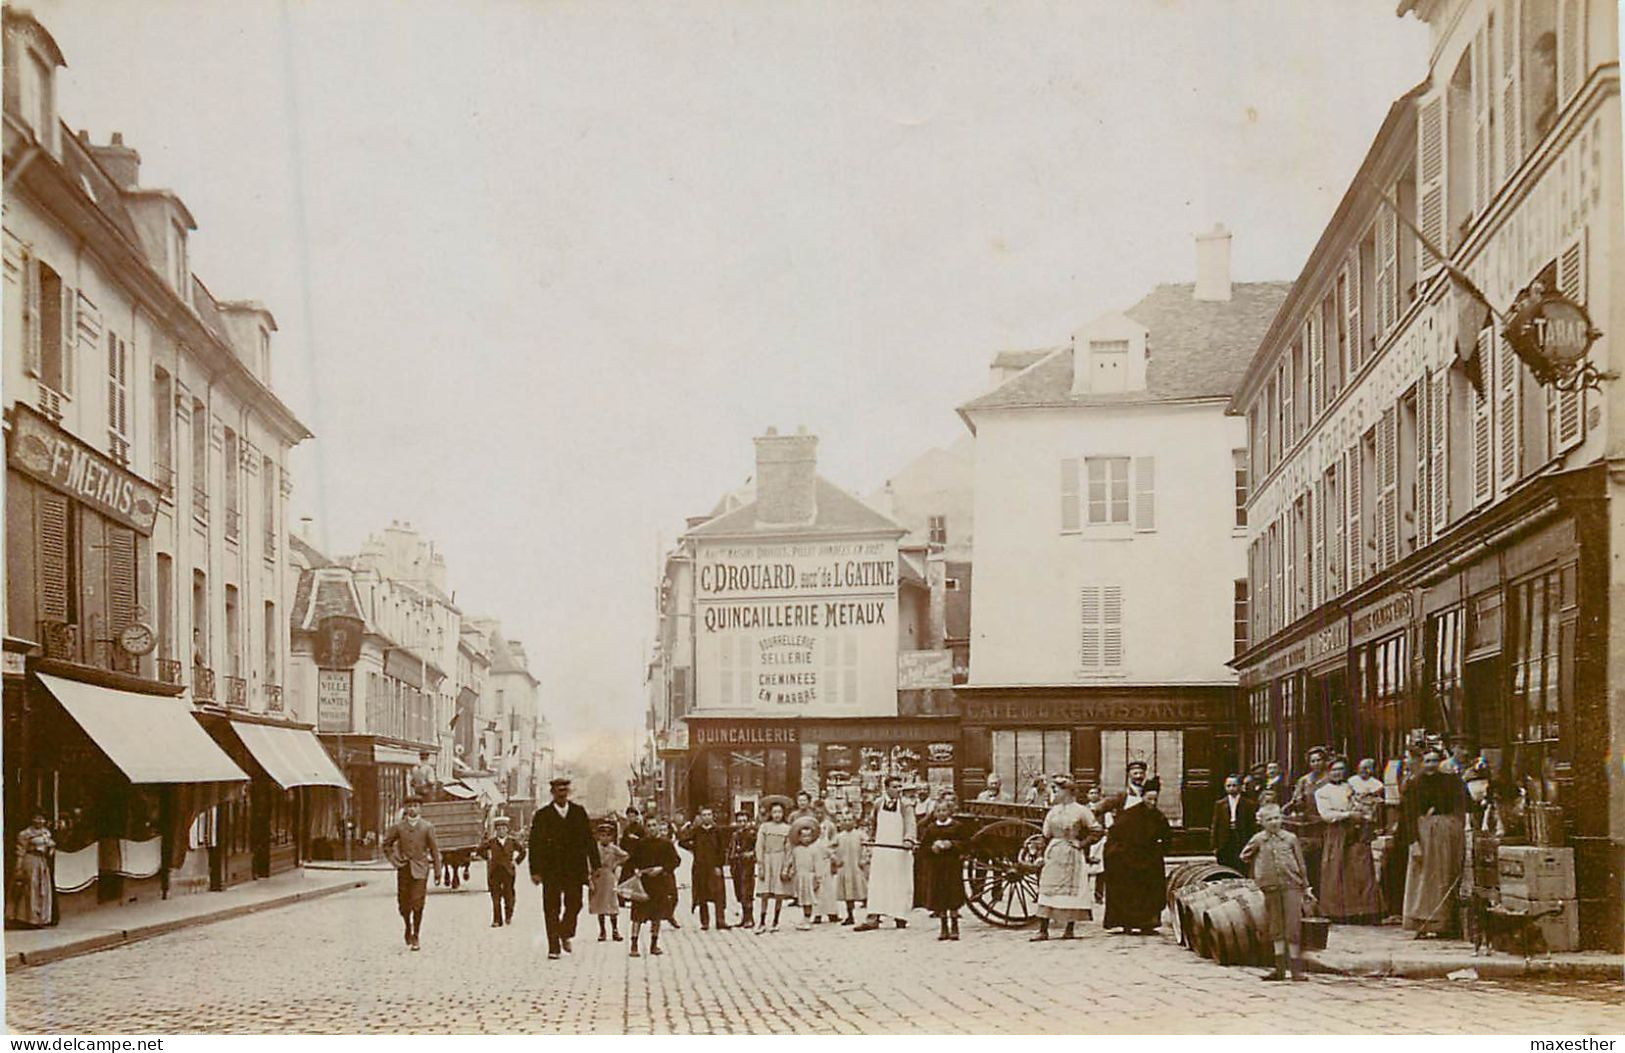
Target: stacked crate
{"points": [[1538, 883]]}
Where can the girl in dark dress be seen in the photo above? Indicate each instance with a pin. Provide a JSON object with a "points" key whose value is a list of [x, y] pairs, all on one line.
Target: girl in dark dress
{"points": [[942, 847], [1135, 847], [654, 859]]}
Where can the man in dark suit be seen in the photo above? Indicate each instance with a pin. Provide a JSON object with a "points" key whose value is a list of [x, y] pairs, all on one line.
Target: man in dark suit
{"points": [[1235, 821], [563, 855], [411, 848]]}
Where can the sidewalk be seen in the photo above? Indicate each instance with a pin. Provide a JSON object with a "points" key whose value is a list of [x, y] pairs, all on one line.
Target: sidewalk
{"points": [[1388, 950], [112, 926]]}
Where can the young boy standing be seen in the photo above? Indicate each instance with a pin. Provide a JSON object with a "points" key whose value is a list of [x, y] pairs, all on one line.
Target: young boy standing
{"points": [[1282, 875], [601, 899], [502, 852]]}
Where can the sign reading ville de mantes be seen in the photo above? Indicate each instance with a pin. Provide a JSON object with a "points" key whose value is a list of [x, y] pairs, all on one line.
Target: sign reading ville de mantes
{"points": [[797, 628]]}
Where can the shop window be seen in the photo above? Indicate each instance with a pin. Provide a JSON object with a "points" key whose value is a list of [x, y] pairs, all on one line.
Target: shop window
{"points": [[1444, 666], [1385, 710], [1260, 728], [1023, 755], [1541, 655], [1164, 755]]}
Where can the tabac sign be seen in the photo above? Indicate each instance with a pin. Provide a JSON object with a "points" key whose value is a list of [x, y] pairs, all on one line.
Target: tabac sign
{"points": [[42, 450], [1550, 332]]}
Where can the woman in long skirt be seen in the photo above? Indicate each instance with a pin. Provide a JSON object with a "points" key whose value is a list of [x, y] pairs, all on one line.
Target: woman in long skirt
{"points": [[1348, 880], [1063, 884], [1135, 847], [31, 892], [1434, 808]]}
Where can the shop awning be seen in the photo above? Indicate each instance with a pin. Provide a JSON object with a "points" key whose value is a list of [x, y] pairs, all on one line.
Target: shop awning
{"points": [[487, 789], [151, 739], [382, 754], [291, 756]]}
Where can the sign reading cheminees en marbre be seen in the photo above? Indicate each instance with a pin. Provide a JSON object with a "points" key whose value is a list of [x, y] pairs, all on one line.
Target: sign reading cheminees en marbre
{"points": [[797, 627]]}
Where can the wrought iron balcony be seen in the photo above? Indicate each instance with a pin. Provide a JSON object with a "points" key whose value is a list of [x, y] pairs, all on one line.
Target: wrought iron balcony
{"points": [[234, 524], [273, 698], [236, 692], [200, 503], [60, 640], [202, 683], [169, 670]]}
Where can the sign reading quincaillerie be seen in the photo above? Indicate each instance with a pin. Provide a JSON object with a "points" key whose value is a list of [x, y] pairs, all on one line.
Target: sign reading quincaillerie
{"points": [[803, 627]]}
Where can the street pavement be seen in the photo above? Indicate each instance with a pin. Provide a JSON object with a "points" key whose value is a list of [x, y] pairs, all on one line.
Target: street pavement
{"points": [[338, 965]]}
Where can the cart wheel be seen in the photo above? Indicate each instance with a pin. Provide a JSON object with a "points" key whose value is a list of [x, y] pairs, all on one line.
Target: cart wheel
{"points": [[1001, 872]]}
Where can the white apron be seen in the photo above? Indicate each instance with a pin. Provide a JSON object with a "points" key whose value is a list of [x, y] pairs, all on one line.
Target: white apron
{"points": [[891, 870]]}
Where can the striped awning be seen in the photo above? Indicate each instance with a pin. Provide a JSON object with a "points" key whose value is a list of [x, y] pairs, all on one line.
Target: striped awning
{"points": [[290, 756], [150, 738]]}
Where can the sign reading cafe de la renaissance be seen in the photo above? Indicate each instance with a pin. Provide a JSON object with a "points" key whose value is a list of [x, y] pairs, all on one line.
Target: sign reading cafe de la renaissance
{"points": [[797, 627]]}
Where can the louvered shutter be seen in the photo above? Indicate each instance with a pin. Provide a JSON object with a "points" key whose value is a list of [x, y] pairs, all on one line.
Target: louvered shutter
{"points": [[1484, 182], [1356, 340], [1420, 497], [1089, 627], [1317, 554], [1388, 488], [1483, 441], [1337, 523], [1387, 272], [1567, 408], [1439, 466], [1289, 568], [1511, 117], [1316, 332], [1278, 595], [31, 315], [1145, 493], [1430, 180], [1069, 494], [1355, 560], [1111, 611], [1571, 62], [121, 578], [52, 559], [70, 338], [1508, 422], [1289, 423]]}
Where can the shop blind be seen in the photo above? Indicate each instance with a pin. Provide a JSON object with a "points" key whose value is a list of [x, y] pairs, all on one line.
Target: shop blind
{"points": [[121, 578], [1566, 409], [52, 564]]}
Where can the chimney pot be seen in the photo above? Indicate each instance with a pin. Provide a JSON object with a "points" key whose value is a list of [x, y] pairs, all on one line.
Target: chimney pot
{"points": [[1213, 265], [118, 139], [786, 478]]}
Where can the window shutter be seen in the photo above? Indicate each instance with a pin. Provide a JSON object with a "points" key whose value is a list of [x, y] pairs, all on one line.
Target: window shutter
{"points": [[1354, 561], [1089, 627], [1387, 271], [1439, 466], [1572, 57], [1289, 422], [121, 578], [69, 337], [1317, 554], [1145, 494], [1484, 182], [1511, 118], [1421, 496], [1567, 408], [1356, 345], [1483, 442], [1337, 520], [1314, 331], [1069, 494], [1278, 590], [51, 555], [1388, 488], [1289, 568], [1508, 424], [31, 314], [1430, 179], [1112, 626]]}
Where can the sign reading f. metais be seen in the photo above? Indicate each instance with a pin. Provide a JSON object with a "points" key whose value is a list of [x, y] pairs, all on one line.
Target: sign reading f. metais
{"points": [[797, 628], [63, 462]]}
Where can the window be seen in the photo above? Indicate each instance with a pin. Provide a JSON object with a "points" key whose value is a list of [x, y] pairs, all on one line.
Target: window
{"points": [[1239, 459], [200, 460], [951, 584], [163, 431], [1240, 623], [1023, 754], [55, 336], [1443, 642], [265, 355], [272, 643], [234, 647], [1100, 646], [937, 529], [1108, 365], [179, 274], [1272, 424], [1541, 637], [1107, 495], [268, 496], [200, 618], [1164, 755], [1370, 542], [118, 397], [1365, 288], [233, 465], [1275, 576], [166, 607]]}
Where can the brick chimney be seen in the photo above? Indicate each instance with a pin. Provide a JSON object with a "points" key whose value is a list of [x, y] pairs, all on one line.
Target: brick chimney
{"points": [[786, 478], [1213, 265], [121, 163]]}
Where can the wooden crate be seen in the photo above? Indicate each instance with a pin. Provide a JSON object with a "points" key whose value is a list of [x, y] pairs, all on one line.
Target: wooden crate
{"points": [[1533, 872]]}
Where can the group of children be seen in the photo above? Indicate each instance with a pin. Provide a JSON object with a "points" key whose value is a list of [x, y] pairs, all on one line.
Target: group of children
{"points": [[816, 863]]}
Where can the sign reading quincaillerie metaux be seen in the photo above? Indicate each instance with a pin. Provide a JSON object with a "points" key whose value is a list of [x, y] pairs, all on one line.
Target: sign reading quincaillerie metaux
{"points": [[797, 628]]}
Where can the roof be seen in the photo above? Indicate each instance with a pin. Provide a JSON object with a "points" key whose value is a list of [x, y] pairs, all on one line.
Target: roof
{"points": [[1195, 349], [837, 512], [1021, 359], [312, 557], [96, 183]]}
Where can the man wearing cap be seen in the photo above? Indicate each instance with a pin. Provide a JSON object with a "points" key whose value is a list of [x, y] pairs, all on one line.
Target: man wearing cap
{"points": [[502, 853], [1134, 792], [563, 856], [410, 847], [422, 776]]}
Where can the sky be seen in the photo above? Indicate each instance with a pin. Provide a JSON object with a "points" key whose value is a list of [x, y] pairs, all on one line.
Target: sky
{"points": [[541, 270]]}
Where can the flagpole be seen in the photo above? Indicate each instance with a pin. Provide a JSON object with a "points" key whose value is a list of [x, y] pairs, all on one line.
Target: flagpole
{"points": [[1433, 250]]}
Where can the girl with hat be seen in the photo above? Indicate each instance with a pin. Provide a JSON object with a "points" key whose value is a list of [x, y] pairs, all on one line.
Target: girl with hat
{"points": [[809, 861]]}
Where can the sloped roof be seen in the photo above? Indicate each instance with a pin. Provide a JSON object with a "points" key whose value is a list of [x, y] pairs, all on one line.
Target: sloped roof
{"points": [[325, 592], [1196, 349], [1021, 359], [837, 512], [95, 182]]}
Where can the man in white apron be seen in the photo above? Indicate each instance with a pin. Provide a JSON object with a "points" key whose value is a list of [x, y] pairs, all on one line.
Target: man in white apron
{"points": [[891, 864]]}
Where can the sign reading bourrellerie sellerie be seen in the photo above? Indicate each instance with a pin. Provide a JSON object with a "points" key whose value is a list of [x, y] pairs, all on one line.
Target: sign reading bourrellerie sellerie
{"points": [[63, 462]]}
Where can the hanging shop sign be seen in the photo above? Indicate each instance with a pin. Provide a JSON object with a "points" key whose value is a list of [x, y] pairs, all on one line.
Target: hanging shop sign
{"points": [[338, 641], [1550, 332], [333, 700], [919, 670], [47, 453]]}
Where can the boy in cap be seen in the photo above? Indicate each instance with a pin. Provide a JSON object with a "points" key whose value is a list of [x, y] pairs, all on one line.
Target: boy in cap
{"points": [[1283, 876], [502, 853], [410, 846]]}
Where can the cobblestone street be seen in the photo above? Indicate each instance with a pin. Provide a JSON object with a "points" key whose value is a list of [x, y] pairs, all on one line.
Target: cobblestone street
{"points": [[338, 965]]}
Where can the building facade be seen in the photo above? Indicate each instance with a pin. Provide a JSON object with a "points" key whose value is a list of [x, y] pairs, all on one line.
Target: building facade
{"points": [[145, 496], [1109, 547], [1432, 530]]}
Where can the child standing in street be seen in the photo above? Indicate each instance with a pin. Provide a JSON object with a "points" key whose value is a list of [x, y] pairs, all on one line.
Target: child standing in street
{"points": [[601, 883], [810, 860], [655, 860], [942, 843], [1280, 871], [772, 853], [851, 866], [502, 853]]}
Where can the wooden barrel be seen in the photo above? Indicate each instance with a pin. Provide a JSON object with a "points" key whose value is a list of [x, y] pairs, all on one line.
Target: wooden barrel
{"points": [[1238, 928], [1192, 903], [1192, 875]]}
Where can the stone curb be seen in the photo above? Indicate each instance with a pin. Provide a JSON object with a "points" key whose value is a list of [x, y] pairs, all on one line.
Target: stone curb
{"points": [[104, 941], [1487, 968]]}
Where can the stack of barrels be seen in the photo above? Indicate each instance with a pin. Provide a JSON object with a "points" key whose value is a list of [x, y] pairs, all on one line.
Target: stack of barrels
{"points": [[1219, 914]]}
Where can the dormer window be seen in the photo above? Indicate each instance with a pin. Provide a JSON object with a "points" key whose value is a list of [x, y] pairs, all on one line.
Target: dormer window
{"points": [[180, 275], [1108, 365], [265, 355], [36, 95]]}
